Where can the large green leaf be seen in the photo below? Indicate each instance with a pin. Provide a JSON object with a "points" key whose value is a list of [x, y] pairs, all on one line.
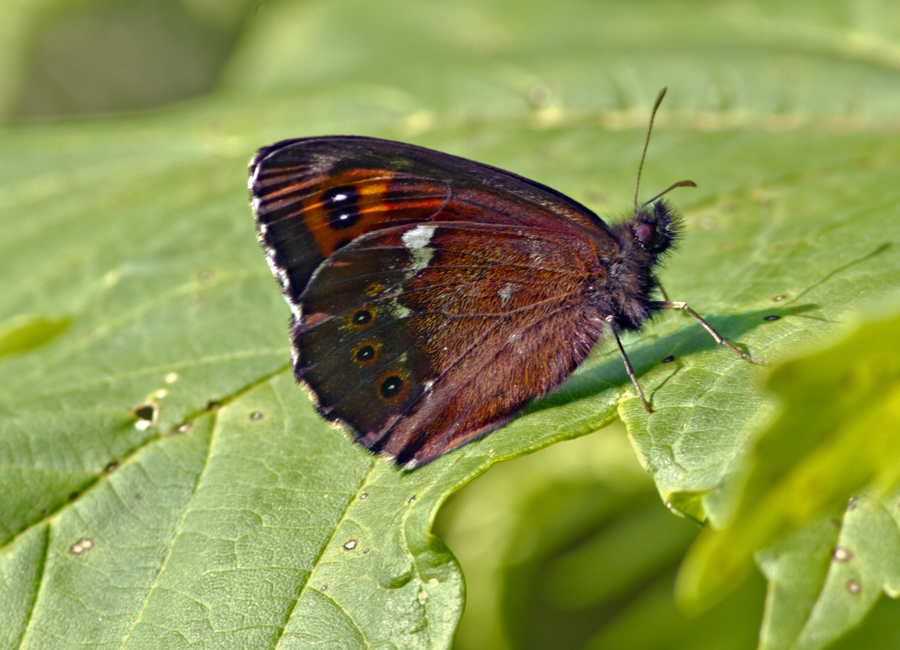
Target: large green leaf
{"points": [[836, 435], [581, 555], [134, 288]]}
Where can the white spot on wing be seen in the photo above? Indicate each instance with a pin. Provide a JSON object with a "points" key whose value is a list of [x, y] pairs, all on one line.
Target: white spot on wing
{"points": [[416, 241], [397, 310], [419, 236]]}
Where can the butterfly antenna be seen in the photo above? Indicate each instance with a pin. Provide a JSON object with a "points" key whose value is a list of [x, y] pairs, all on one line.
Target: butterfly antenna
{"points": [[637, 184], [664, 192]]}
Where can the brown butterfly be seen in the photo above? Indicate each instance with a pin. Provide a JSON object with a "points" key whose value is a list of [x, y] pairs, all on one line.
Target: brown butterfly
{"points": [[433, 297]]}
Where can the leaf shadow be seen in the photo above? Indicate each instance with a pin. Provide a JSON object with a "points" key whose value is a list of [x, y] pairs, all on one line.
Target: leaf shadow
{"points": [[681, 344]]}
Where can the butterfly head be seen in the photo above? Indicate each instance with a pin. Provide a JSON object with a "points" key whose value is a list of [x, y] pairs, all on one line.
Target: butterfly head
{"points": [[642, 242], [655, 226]]}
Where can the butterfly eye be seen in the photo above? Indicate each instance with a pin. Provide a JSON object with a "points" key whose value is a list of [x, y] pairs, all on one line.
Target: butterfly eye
{"points": [[646, 234], [366, 353], [340, 196], [393, 386], [340, 219], [361, 318], [342, 206]]}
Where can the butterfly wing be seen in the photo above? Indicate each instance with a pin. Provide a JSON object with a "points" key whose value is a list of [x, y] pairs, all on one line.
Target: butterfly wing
{"points": [[433, 297], [423, 337], [313, 195]]}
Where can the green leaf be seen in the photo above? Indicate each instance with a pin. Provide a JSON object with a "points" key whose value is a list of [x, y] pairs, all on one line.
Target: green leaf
{"points": [[834, 436], [821, 590], [581, 555], [132, 278]]}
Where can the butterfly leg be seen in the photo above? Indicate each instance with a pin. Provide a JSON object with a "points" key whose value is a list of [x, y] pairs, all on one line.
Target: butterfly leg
{"points": [[662, 291], [628, 368], [720, 340]]}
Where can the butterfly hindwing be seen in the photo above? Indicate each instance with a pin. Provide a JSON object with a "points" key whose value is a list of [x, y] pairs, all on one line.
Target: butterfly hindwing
{"points": [[419, 338]]}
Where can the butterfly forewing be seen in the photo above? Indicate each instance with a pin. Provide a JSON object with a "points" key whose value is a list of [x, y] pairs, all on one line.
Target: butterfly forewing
{"points": [[312, 196], [302, 224]]}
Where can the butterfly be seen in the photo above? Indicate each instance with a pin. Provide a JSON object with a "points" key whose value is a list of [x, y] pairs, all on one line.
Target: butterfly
{"points": [[433, 297]]}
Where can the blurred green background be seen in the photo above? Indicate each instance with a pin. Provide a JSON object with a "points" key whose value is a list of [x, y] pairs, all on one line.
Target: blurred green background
{"points": [[572, 547], [77, 58]]}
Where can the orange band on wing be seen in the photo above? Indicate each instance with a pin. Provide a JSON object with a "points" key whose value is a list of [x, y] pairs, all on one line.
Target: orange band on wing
{"points": [[358, 201]]}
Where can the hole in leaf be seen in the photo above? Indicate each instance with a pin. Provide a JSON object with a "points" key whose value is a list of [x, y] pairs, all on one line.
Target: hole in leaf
{"points": [[146, 414]]}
